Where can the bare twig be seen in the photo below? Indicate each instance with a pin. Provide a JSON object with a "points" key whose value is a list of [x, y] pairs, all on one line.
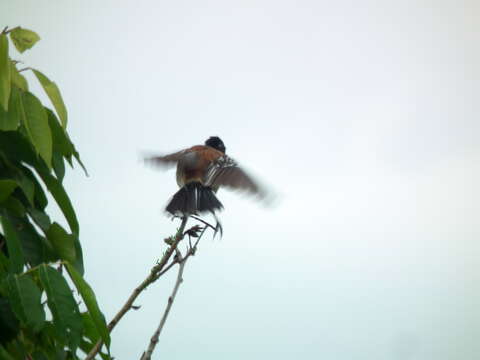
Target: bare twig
{"points": [[182, 261], [154, 340], [145, 283], [190, 252], [175, 261]]}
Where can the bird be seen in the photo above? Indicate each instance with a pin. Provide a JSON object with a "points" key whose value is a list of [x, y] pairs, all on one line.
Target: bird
{"points": [[201, 171]]}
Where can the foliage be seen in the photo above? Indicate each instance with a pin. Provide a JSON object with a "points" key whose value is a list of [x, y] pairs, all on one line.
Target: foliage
{"points": [[40, 317]]}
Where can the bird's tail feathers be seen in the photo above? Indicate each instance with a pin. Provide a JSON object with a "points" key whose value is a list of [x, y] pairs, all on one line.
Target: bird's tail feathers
{"points": [[193, 198]]}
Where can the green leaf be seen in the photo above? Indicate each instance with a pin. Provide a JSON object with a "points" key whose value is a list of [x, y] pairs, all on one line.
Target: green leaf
{"points": [[27, 186], [4, 72], [87, 346], [79, 262], [77, 157], [15, 251], [10, 120], [62, 242], [66, 316], [39, 355], [89, 329], [6, 188], [16, 147], [4, 355], [58, 166], [4, 264], [8, 322], [61, 141], [36, 249], [26, 301], [40, 218], [40, 199], [14, 206], [61, 197], [54, 95], [18, 79], [23, 39], [88, 297], [38, 130]]}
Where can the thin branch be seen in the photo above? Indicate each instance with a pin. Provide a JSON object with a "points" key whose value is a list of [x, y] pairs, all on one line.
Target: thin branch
{"points": [[145, 283], [175, 261], [182, 261], [154, 340], [191, 251]]}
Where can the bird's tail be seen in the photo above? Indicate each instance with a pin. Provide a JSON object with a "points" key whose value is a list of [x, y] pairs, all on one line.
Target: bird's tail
{"points": [[193, 198]]}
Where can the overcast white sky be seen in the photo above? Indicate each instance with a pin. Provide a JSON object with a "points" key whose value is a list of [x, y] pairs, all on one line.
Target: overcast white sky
{"points": [[363, 115]]}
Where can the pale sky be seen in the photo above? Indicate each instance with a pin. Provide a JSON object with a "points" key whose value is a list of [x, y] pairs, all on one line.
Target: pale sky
{"points": [[361, 115]]}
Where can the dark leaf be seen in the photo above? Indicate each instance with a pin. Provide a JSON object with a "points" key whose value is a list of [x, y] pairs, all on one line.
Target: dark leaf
{"points": [[40, 218], [66, 316], [90, 300], [6, 188], [78, 264], [40, 199], [15, 252], [36, 248], [61, 141], [14, 206], [58, 166], [27, 186], [89, 329], [38, 355], [26, 301], [86, 346], [62, 242], [17, 148], [9, 325], [77, 157], [4, 355], [60, 195]]}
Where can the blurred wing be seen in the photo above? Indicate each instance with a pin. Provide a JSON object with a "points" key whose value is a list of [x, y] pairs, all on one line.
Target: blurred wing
{"points": [[225, 172], [166, 161]]}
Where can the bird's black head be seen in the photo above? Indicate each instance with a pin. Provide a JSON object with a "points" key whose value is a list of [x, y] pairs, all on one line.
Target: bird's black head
{"points": [[216, 143]]}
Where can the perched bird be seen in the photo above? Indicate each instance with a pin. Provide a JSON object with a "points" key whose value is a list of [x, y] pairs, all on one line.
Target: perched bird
{"points": [[201, 171]]}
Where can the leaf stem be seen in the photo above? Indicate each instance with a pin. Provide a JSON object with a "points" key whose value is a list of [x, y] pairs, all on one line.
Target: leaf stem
{"points": [[6, 30]]}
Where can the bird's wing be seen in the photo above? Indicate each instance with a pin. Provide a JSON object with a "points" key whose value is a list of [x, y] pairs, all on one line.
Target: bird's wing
{"points": [[166, 161], [225, 172]]}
